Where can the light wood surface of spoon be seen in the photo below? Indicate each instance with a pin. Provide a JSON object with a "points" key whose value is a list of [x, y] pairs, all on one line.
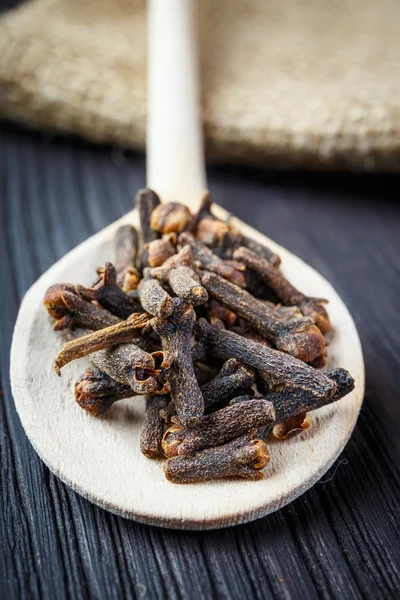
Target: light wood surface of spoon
{"points": [[100, 457]]}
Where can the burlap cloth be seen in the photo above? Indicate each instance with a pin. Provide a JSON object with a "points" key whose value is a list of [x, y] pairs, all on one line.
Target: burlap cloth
{"points": [[286, 83]]}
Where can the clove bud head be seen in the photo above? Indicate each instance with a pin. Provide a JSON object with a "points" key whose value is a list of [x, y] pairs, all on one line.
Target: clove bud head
{"points": [[254, 454], [291, 427], [171, 440], [54, 299], [94, 393], [211, 231], [313, 307], [158, 251], [301, 338], [171, 217]]}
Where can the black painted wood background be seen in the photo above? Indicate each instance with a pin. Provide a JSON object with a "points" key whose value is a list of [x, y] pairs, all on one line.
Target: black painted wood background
{"points": [[340, 539]]}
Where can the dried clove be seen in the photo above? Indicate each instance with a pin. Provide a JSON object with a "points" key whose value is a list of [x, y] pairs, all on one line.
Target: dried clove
{"points": [[96, 392], [62, 301], [298, 337], [155, 300], [234, 379], [186, 284], [280, 370], [286, 292], [175, 334], [220, 427], [242, 457], [258, 249], [183, 258], [130, 365], [171, 217], [289, 404], [152, 431], [146, 202], [183, 280], [158, 251], [292, 427], [291, 407], [110, 295], [209, 261], [225, 235], [126, 250], [210, 230], [123, 332], [53, 299], [213, 233]]}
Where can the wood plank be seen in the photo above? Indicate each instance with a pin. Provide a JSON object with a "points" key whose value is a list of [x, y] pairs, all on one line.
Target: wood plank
{"points": [[341, 538]]}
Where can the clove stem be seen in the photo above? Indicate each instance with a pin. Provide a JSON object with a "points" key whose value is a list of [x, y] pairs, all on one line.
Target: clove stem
{"points": [[120, 333]]}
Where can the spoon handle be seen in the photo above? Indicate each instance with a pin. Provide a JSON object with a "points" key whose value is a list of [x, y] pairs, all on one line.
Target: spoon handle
{"points": [[175, 157]]}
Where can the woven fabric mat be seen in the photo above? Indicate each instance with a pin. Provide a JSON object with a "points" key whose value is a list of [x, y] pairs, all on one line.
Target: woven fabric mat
{"points": [[307, 84]]}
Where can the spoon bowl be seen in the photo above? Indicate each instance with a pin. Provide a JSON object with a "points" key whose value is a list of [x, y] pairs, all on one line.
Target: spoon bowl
{"points": [[100, 457]]}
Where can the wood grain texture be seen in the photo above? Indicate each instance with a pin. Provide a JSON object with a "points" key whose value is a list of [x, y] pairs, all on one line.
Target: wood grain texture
{"points": [[340, 539]]}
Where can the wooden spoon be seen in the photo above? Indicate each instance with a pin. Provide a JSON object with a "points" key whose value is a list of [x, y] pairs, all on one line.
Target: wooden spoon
{"points": [[100, 457]]}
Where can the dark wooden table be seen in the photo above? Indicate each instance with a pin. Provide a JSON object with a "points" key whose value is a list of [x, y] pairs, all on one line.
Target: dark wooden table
{"points": [[340, 539]]}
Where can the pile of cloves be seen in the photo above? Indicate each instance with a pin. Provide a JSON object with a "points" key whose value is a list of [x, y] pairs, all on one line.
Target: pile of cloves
{"points": [[201, 320]]}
